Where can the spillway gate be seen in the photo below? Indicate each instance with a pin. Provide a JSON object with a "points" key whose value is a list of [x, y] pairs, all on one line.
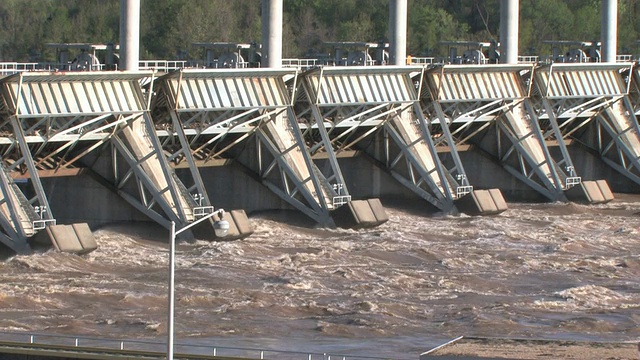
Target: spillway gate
{"points": [[50, 121], [56, 125], [376, 110], [148, 136], [589, 103], [488, 107], [245, 115]]}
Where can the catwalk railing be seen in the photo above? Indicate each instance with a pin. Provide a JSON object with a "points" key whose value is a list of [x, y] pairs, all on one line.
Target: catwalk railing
{"points": [[120, 347], [8, 68]]}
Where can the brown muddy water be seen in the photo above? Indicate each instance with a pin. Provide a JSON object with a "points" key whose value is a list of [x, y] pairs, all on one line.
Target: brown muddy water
{"points": [[552, 271]]}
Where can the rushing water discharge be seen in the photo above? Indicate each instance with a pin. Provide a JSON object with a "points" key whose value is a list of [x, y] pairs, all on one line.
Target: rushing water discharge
{"points": [[554, 271]]}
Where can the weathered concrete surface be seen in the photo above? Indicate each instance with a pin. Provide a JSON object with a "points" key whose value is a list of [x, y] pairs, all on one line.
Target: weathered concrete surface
{"points": [[82, 199]]}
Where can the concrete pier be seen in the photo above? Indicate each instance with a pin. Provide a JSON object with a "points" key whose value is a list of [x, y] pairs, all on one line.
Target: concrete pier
{"points": [[397, 32], [129, 34], [272, 33], [509, 20], [609, 26]]}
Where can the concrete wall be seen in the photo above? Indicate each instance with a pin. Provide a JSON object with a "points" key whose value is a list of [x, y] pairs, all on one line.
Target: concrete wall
{"points": [[591, 167], [485, 173], [365, 179], [82, 199], [231, 187]]}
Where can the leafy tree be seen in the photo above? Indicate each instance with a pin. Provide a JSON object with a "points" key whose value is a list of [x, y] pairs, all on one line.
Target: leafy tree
{"points": [[169, 27], [544, 20], [21, 24], [428, 26]]}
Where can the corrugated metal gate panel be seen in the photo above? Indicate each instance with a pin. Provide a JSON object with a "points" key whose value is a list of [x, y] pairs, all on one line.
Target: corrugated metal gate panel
{"points": [[472, 86], [345, 88], [70, 98], [70, 94], [228, 92], [579, 81], [452, 83], [196, 90]]}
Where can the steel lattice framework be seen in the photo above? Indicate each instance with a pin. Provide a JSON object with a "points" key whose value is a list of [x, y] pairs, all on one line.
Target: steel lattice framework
{"points": [[487, 106], [346, 107], [51, 121], [206, 114], [576, 97]]}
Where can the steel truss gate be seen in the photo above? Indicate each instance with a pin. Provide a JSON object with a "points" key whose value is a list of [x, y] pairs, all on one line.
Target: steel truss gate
{"points": [[62, 118], [590, 103], [51, 121], [488, 106], [606, 94], [345, 107], [244, 114]]}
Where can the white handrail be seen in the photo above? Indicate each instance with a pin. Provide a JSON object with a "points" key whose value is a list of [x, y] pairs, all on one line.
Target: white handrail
{"points": [[106, 344]]}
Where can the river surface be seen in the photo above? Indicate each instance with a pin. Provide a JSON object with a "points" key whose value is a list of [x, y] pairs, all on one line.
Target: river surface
{"points": [[553, 271]]}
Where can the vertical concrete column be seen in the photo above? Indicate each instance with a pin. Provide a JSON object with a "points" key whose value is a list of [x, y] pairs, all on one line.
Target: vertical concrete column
{"points": [[272, 33], [129, 34], [609, 30], [398, 32], [509, 13]]}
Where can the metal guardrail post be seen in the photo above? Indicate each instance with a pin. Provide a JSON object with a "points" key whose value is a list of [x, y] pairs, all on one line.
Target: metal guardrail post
{"points": [[106, 345]]}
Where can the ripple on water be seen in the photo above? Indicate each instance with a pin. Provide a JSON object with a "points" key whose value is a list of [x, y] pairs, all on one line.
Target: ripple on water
{"points": [[535, 270]]}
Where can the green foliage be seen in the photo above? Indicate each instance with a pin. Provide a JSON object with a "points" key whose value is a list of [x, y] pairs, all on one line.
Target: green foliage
{"points": [[170, 27], [546, 20], [428, 26]]}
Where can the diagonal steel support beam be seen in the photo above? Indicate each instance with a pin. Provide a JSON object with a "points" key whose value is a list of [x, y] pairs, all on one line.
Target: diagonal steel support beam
{"points": [[441, 195], [622, 127], [316, 196]]}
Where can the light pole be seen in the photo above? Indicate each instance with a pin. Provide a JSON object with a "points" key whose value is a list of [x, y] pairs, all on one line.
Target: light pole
{"points": [[221, 228]]}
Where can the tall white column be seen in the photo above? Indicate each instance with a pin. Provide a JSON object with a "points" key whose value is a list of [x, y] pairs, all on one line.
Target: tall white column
{"points": [[609, 34], [509, 14], [398, 32], [129, 34], [272, 33]]}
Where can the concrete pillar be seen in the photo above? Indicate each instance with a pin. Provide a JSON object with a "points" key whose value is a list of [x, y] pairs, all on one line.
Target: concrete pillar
{"points": [[272, 33], [509, 14], [129, 34], [398, 32], [609, 33]]}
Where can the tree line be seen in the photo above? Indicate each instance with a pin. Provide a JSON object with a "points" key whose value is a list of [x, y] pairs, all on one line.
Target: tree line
{"points": [[170, 27]]}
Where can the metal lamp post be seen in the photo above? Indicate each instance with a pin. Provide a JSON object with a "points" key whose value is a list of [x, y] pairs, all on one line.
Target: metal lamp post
{"points": [[221, 228]]}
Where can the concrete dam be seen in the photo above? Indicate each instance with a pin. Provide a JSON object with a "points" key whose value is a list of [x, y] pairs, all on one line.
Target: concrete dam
{"points": [[82, 149]]}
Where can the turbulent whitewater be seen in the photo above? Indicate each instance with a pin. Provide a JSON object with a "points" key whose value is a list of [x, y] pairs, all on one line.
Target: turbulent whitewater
{"points": [[559, 271]]}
